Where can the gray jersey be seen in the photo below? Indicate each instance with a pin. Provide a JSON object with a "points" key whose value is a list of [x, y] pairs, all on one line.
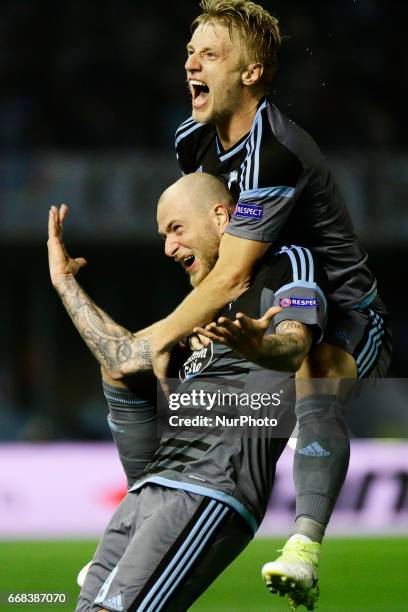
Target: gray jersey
{"points": [[285, 193], [226, 459]]}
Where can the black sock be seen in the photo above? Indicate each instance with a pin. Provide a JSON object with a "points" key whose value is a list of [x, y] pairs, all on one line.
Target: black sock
{"points": [[321, 457]]}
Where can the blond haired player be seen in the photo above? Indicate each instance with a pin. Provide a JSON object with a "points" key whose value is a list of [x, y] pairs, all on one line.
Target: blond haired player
{"points": [[285, 195]]}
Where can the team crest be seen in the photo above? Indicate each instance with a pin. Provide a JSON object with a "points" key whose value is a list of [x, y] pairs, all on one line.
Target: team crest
{"points": [[232, 178], [198, 361]]}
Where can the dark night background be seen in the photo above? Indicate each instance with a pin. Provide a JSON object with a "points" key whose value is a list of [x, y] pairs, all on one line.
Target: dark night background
{"points": [[91, 93]]}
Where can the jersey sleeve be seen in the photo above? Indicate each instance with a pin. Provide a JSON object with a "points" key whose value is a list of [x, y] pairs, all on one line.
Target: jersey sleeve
{"points": [[297, 286], [271, 179]]}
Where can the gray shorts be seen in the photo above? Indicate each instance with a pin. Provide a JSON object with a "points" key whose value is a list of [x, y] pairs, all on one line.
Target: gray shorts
{"points": [[161, 550], [365, 333]]}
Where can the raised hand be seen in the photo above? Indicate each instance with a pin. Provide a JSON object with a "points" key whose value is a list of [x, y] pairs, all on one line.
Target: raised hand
{"points": [[60, 263], [244, 335]]}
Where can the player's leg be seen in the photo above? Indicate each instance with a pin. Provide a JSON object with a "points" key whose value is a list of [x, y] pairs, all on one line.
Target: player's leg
{"points": [[320, 466], [109, 551], [359, 346], [323, 450], [175, 529], [226, 544]]}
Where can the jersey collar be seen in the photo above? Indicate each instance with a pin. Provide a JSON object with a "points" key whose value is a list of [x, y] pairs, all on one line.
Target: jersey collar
{"points": [[222, 154]]}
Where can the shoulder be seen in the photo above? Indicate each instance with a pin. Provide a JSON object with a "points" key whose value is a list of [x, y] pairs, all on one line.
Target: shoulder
{"points": [[291, 136], [269, 161], [188, 138], [186, 129], [293, 264], [279, 152]]}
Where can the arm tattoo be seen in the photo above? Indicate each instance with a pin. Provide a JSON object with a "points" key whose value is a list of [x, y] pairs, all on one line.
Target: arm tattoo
{"points": [[286, 349], [289, 326], [99, 327], [114, 347]]}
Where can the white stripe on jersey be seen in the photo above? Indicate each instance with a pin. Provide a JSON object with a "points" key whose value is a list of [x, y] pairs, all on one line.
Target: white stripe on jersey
{"points": [[247, 164], [306, 263], [253, 149], [187, 132], [257, 150], [373, 355], [291, 255], [184, 125], [233, 151], [302, 262], [311, 265], [370, 350]]}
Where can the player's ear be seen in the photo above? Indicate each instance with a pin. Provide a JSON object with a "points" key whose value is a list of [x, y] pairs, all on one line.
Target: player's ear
{"points": [[252, 74], [222, 216]]}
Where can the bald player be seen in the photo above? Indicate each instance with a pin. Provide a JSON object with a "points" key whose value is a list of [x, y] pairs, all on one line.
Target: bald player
{"points": [[199, 500]]}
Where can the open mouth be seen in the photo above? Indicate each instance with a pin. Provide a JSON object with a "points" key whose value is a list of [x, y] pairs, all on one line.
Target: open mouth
{"points": [[199, 92], [188, 262]]}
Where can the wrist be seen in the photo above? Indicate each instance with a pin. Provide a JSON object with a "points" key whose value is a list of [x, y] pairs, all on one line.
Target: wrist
{"points": [[61, 281], [161, 340]]}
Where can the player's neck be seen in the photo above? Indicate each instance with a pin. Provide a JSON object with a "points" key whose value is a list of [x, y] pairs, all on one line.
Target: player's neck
{"points": [[231, 129]]}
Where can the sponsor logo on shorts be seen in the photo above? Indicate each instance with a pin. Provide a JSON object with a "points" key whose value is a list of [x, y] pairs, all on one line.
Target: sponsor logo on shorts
{"points": [[299, 302], [248, 211], [115, 603]]}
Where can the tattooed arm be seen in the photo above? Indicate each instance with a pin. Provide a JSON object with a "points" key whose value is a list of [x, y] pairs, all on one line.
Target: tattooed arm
{"points": [[114, 347], [286, 349], [118, 350], [283, 351]]}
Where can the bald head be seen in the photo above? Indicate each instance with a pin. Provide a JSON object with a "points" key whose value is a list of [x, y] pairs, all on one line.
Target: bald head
{"points": [[192, 216], [200, 191]]}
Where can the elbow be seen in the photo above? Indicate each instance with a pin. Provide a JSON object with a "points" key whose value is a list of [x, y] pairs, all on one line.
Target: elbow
{"points": [[232, 282], [238, 278]]}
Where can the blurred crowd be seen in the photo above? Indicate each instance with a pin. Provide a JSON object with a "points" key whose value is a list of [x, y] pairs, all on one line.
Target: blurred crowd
{"points": [[86, 74], [83, 78]]}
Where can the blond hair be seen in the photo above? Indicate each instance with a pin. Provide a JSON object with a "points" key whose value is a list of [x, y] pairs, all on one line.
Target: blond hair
{"points": [[257, 29]]}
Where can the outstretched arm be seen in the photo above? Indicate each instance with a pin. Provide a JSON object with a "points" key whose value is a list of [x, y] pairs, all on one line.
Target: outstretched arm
{"points": [[118, 350], [283, 351], [229, 278]]}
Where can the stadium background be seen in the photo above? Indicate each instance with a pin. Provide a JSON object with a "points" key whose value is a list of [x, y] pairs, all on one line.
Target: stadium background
{"points": [[91, 95]]}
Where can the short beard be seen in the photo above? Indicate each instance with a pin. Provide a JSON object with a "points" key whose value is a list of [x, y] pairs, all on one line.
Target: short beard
{"points": [[207, 267]]}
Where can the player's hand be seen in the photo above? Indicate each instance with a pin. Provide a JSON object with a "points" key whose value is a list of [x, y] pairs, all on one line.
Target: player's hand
{"points": [[244, 335], [197, 342], [60, 263]]}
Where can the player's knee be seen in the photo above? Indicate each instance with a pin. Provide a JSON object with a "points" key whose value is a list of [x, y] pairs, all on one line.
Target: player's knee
{"points": [[295, 364], [327, 361]]}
